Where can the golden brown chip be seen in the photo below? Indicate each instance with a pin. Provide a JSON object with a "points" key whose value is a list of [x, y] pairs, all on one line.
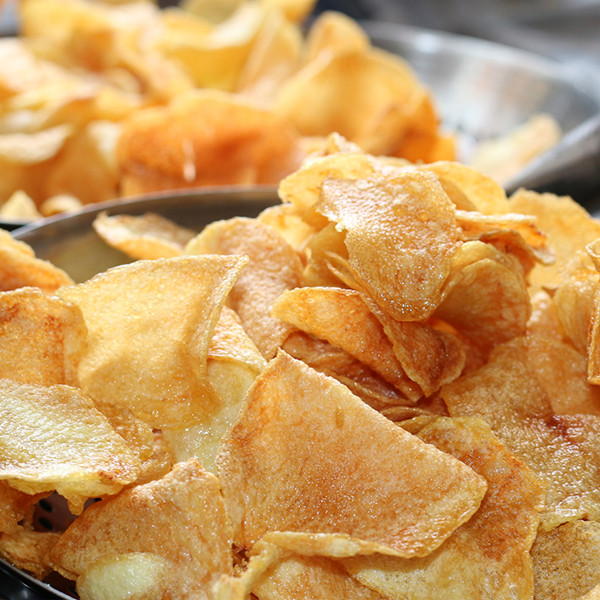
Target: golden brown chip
{"points": [[336, 494], [273, 268], [53, 438], [20, 268], [148, 344], [14, 507], [568, 225], [205, 138], [343, 319], [179, 519], [29, 550], [491, 550], [561, 449], [401, 236], [298, 577], [486, 296], [42, 338], [145, 237], [566, 561]]}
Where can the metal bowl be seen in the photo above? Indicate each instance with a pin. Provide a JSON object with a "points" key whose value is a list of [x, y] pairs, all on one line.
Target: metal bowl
{"points": [[484, 89], [70, 242]]}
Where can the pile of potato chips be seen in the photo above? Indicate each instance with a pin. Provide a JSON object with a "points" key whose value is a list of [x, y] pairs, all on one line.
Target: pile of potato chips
{"points": [[384, 387], [101, 99]]}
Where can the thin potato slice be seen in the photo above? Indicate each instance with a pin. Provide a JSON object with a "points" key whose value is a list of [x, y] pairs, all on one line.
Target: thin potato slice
{"points": [[42, 338], [560, 449], [145, 237], [343, 319], [336, 494], [29, 550], [566, 561], [148, 345], [21, 269], [401, 236], [299, 577], [274, 267], [14, 507], [486, 296], [54, 438], [179, 519], [567, 224], [491, 550]]}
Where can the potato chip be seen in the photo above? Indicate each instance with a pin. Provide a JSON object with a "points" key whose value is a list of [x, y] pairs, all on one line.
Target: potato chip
{"points": [[233, 364], [205, 138], [19, 206], [61, 203], [544, 320], [14, 507], [337, 363], [381, 84], [310, 577], [53, 438], [290, 225], [179, 519], [560, 449], [485, 193], [568, 225], [42, 338], [343, 319], [335, 32], [20, 268], [491, 550], [336, 494], [566, 561], [401, 236], [273, 268], [147, 346], [486, 296], [142, 237], [29, 550]]}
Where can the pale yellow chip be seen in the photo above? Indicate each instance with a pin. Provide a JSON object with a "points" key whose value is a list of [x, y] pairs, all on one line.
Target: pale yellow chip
{"points": [[42, 338], [566, 561], [148, 344], [317, 496], [142, 237], [343, 319], [491, 550], [19, 207], [560, 449], [180, 519], [53, 438], [274, 267], [401, 236]]}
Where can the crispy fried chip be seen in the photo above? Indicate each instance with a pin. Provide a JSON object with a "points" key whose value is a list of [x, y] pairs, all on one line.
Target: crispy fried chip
{"points": [[401, 236], [561, 449], [273, 268], [566, 561], [336, 494], [20, 268], [179, 519], [568, 225], [42, 338], [53, 438], [486, 296], [343, 319], [145, 237], [148, 345], [29, 550], [14, 507], [491, 550]]}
